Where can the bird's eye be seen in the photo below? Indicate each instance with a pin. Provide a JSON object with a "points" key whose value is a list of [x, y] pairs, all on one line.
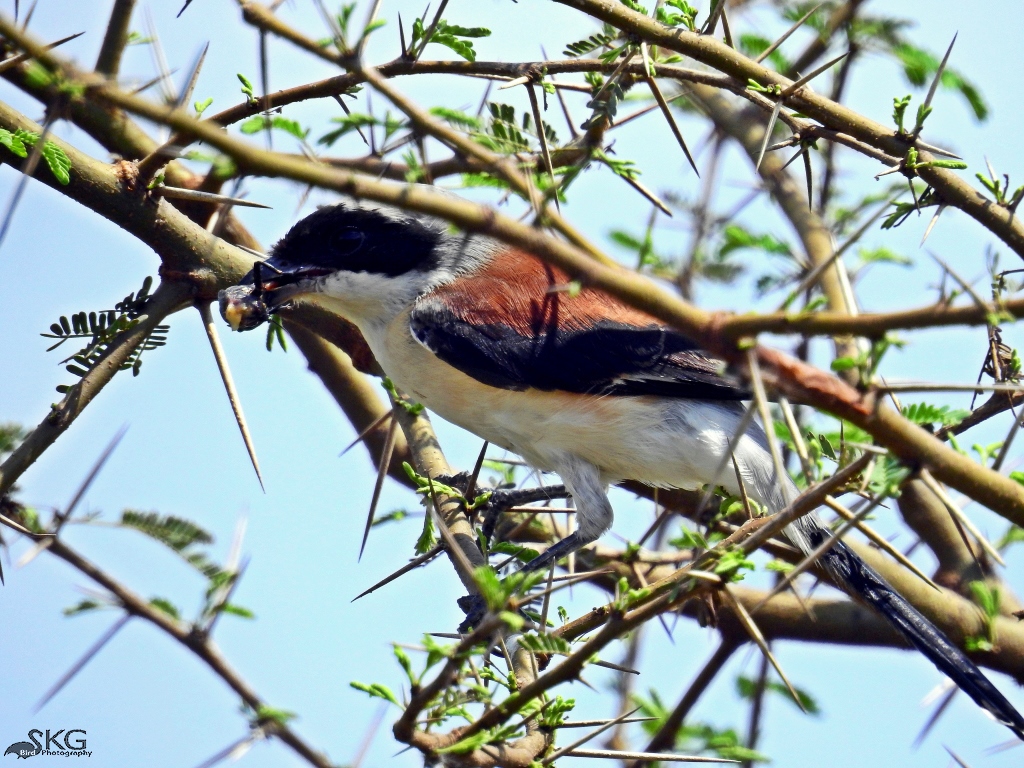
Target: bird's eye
{"points": [[348, 240]]}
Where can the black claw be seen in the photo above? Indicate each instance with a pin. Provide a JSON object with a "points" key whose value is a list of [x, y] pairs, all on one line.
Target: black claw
{"points": [[459, 480], [502, 500]]}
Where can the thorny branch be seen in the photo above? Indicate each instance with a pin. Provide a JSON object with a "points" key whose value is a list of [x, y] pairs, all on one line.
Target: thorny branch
{"points": [[195, 265]]}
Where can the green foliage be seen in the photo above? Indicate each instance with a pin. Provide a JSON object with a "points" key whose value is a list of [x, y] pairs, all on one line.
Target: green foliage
{"points": [[868, 360], [265, 714], [887, 477], [919, 66], [736, 237], [413, 409], [394, 516], [56, 159], [451, 36], [988, 600], [180, 535], [912, 163], [457, 118], [754, 45], [556, 710], [258, 123], [932, 417], [899, 112], [175, 532], [646, 257], [532, 641], [627, 169], [1014, 534], [83, 606], [677, 13], [688, 539], [901, 211], [505, 470], [696, 737], [236, 610], [522, 554], [495, 735], [202, 106], [101, 329], [583, 47], [354, 121], [406, 664], [883, 256], [999, 188], [747, 688], [427, 539], [10, 436], [732, 563], [247, 88], [165, 606]]}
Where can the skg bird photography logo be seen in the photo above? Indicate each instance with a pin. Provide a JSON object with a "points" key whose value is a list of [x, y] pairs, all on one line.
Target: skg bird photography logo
{"points": [[69, 742]]}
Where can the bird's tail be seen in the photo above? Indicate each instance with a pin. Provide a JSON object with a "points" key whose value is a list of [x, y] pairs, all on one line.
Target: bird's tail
{"points": [[861, 581]]}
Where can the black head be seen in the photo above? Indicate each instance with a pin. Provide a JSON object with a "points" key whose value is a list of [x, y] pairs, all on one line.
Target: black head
{"points": [[341, 237]]}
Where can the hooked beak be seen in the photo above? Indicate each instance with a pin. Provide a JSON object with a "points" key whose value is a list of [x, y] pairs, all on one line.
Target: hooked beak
{"points": [[262, 292]]}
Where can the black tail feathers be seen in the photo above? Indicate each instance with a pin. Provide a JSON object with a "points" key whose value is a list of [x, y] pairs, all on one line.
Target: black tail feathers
{"points": [[862, 582]]}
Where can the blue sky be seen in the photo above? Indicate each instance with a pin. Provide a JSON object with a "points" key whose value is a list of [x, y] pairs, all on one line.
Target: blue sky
{"points": [[145, 698]]}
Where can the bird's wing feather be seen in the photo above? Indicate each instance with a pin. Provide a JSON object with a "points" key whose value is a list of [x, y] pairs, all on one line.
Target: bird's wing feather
{"points": [[515, 325]]}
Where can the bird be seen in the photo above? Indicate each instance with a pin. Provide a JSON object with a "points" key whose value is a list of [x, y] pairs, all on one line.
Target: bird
{"points": [[576, 382]]}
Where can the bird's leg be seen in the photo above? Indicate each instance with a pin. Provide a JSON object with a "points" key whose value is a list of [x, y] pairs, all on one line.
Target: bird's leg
{"points": [[593, 517]]}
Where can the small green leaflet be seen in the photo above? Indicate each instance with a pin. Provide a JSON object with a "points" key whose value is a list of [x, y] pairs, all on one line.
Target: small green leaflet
{"points": [[376, 690], [259, 123], [56, 160]]}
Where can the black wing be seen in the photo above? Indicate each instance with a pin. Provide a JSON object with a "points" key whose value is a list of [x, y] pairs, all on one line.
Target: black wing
{"points": [[606, 358]]}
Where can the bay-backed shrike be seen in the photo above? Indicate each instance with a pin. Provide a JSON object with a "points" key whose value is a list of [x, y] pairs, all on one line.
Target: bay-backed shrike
{"points": [[576, 382]]}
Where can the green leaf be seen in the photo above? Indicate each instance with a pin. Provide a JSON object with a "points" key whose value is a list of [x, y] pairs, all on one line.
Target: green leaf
{"points": [[259, 123], [583, 47], [202, 106], [237, 610], [376, 690], [986, 597], [266, 714], [532, 641], [688, 539], [406, 662], [746, 688], [247, 87], [491, 589], [457, 118], [165, 606], [83, 606], [427, 538], [928, 415], [174, 532], [843, 364], [58, 162], [522, 554], [735, 237], [451, 36], [1014, 534], [13, 143], [732, 563]]}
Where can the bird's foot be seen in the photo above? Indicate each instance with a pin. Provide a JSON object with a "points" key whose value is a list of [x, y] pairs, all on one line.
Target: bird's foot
{"points": [[458, 480], [501, 500]]}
